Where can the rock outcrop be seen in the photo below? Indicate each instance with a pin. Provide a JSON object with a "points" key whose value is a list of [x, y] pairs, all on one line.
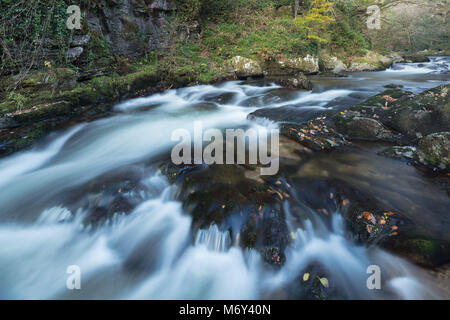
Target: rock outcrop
{"points": [[246, 67]]}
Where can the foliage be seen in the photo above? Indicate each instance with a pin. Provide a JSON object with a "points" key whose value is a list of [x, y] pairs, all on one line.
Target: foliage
{"points": [[25, 26], [316, 20]]}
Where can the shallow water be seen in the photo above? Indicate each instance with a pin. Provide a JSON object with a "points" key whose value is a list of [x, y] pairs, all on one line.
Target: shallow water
{"points": [[152, 252]]}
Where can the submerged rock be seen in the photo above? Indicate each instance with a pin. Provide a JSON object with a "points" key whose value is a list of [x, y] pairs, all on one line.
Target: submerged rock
{"points": [[400, 152]]}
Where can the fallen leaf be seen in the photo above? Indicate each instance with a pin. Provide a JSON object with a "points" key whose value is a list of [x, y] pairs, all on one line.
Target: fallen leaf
{"points": [[306, 276], [324, 282]]}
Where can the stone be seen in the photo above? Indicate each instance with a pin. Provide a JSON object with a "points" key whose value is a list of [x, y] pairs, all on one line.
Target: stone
{"points": [[362, 128], [331, 64], [372, 61], [307, 65], [246, 67], [298, 82], [74, 53], [79, 41], [434, 150]]}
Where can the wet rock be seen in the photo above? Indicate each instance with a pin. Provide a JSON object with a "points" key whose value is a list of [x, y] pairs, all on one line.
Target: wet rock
{"points": [[416, 57], [372, 223], [245, 67], [317, 134], [427, 252], [297, 82], [412, 115], [236, 198], [362, 128], [400, 152], [395, 57], [434, 150]]}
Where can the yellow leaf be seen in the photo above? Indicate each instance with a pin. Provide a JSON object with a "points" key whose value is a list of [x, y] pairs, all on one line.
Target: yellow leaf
{"points": [[324, 282], [306, 276]]}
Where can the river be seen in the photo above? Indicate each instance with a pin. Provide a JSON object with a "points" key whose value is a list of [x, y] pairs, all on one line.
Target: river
{"points": [[152, 252]]}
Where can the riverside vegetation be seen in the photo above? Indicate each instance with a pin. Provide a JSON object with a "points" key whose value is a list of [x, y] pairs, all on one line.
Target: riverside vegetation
{"points": [[128, 49]]}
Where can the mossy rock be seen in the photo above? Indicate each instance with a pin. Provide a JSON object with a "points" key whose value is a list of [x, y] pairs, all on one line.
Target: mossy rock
{"points": [[434, 150], [246, 67], [372, 61]]}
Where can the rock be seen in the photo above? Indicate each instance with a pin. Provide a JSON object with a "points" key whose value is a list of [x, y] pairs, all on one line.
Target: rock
{"points": [[395, 57], [372, 61], [132, 28], [400, 152], [361, 128], [6, 123], [80, 41], [54, 79], [245, 67], [235, 198], [426, 252], [298, 82], [412, 115], [292, 66], [415, 58], [73, 54], [434, 150], [331, 64]]}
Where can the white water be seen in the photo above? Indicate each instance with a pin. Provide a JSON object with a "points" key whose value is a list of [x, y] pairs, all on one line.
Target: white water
{"points": [[152, 253]]}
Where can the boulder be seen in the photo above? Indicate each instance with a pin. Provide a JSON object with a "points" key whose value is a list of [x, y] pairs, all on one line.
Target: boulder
{"points": [[73, 54], [246, 67], [362, 128], [283, 66], [298, 82], [331, 64], [372, 61], [434, 150]]}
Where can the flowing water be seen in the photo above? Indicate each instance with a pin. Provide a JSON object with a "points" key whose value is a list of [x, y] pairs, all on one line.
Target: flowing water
{"points": [[152, 252]]}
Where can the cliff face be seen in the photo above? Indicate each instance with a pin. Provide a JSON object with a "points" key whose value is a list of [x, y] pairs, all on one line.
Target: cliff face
{"points": [[131, 27]]}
